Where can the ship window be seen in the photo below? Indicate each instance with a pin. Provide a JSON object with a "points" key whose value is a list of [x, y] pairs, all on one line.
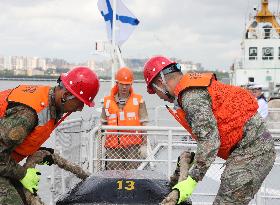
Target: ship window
{"points": [[251, 79], [267, 53], [253, 53]]}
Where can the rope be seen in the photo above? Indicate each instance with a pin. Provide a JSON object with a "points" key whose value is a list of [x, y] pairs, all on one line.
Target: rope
{"points": [[180, 174], [61, 162]]}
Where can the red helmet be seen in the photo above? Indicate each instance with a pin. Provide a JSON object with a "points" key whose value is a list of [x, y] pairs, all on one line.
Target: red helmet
{"points": [[83, 83], [152, 68]]}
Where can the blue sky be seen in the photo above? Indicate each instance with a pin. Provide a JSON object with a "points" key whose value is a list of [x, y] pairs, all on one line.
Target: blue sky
{"points": [[203, 31]]}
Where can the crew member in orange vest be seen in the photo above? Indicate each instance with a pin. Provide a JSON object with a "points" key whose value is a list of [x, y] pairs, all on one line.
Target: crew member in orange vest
{"points": [[28, 115], [223, 119], [123, 107]]}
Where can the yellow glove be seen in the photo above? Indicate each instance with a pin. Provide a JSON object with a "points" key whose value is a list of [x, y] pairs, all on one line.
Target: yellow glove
{"points": [[31, 180], [185, 189]]}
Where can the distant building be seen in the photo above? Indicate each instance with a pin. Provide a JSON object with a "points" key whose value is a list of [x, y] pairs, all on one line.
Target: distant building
{"points": [[2, 62], [36, 72], [7, 63], [41, 63], [57, 63], [60, 62], [25, 65], [20, 72], [19, 63], [189, 66], [30, 63], [91, 64]]}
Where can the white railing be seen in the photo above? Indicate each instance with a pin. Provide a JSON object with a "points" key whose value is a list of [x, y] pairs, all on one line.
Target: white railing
{"points": [[85, 145]]}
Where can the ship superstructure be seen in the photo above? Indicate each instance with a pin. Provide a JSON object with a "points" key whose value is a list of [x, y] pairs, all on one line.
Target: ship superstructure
{"points": [[260, 59]]}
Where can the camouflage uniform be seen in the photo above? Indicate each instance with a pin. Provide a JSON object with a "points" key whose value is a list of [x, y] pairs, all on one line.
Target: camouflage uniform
{"points": [[125, 153], [249, 163], [17, 123]]}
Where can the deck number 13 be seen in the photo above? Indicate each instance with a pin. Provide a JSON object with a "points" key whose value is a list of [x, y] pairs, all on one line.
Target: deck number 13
{"points": [[127, 185]]}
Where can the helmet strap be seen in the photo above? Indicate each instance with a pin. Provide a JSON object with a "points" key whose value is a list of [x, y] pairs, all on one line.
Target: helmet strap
{"points": [[63, 101], [167, 93], [164, 91]]}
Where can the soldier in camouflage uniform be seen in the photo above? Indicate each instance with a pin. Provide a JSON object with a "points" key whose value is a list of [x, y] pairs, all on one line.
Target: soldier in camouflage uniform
{"points": [[251, 156], [19, 121]]}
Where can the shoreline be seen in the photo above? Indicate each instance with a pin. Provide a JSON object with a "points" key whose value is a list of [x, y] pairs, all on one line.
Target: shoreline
{"points": [[49, 79]]}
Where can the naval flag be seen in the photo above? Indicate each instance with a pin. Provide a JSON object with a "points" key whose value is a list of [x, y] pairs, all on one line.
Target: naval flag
{"points": [[125, 20]]}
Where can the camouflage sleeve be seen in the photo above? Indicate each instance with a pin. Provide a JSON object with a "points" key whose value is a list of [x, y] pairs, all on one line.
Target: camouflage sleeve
{"points": [[18, 122], [197, 104]]}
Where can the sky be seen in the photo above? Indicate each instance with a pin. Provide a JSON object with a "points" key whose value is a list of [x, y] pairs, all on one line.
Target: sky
{"points": [[202, 31]]}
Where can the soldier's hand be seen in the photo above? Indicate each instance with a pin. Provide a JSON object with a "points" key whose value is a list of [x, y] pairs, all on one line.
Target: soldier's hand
{"points": [[50, 150], [47, 160], [192, 158], [191, 162], [185, 189], [31, 179]]}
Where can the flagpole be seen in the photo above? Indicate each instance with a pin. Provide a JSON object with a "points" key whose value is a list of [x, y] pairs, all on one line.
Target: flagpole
{"points": [[114, 43], [121, 61], [108, 9]]}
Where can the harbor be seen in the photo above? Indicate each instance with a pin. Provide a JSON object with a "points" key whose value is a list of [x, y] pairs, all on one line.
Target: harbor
{"points": [[116, 173]]}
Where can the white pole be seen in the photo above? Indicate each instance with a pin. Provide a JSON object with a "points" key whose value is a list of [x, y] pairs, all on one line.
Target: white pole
{"points": [[113, 43], [122, 64]]}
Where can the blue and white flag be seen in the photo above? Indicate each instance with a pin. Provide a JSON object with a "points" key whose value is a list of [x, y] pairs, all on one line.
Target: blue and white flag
{"points": [[125, 23]]}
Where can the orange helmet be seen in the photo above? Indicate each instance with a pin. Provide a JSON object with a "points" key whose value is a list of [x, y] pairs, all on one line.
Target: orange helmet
{"points": [[124, 76]]}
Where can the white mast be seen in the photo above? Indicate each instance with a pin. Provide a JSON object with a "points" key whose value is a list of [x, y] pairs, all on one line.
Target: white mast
{"points": [[121, 61], [114, 64], [116, 54]]}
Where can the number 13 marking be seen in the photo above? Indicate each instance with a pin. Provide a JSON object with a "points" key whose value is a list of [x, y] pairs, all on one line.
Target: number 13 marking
{"points": [[128, 185]]}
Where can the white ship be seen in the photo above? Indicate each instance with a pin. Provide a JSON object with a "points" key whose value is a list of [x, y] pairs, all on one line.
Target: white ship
{"points": [[260, 57]]}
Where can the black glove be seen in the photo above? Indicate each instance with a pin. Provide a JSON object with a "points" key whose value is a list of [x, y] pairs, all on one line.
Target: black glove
{"points": [[48, 160], [50, 150], [192, 157]]}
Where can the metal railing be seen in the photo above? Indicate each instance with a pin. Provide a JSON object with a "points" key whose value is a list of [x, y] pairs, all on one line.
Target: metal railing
{"points": [[85, 145]]}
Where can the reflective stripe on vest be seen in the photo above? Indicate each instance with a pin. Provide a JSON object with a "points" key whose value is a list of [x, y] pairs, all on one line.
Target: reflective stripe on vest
{"points": [[129, 116], [36, 97], [232, 107]]}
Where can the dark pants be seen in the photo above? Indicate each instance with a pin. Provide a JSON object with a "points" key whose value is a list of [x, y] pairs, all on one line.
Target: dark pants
{"points": [[245, 171]]}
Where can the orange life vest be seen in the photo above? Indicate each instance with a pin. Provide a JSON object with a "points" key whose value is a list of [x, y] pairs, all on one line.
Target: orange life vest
{"points": [[129, 116], [232, 107], [36, 97]]}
